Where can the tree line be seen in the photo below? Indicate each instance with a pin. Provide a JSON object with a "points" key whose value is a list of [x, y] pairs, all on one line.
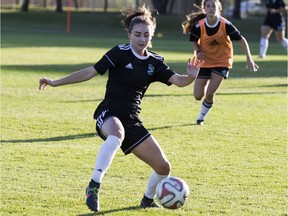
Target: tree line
{"points": [[162, 6]]}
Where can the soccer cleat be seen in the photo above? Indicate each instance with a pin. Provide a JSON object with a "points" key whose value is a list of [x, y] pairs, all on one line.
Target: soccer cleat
{"points": [[200, 122], [148, 203], [92, 198]]}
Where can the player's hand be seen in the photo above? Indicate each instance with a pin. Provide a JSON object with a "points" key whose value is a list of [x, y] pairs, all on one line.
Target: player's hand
{"points": [[193, 66], [252, 66], [43, 82], [200, 55]]}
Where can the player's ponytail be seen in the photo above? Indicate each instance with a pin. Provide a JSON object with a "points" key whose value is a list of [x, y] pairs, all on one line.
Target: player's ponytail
{"points": [[191, 21]]}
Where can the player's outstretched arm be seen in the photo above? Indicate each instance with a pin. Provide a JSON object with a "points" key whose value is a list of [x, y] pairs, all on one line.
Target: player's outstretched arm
{"points": [[251, 65], [76, 77]]}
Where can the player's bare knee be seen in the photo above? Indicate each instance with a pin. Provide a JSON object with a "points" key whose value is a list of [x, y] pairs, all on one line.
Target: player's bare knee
{"points": [[119, 134], [198, 97], [163, 168], [279, 39]]}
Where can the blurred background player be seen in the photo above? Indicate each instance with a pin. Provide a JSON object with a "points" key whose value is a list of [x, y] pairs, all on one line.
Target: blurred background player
{"points": [[274, 21], [211, 36]]}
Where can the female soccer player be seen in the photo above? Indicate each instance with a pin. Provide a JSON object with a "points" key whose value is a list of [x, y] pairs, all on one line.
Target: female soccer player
{"points": [[274, 20], [132, 68], [211, 36]]}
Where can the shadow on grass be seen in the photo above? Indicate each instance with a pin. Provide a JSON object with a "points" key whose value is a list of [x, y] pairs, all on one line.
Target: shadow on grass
{"points": [[60, 68], [132, 208], [187, 95], [251, 93], [51, 139], [81, 101], [279, 85], [78, 136], [232, 93], [169, 126]]}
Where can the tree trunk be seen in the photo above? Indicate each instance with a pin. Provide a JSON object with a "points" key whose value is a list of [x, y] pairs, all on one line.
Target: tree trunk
{"points": [[160, 6], [76, 4], [25, 6], [237, 12], [171, 7], [137, 3], [105, 5], [59, 6]]}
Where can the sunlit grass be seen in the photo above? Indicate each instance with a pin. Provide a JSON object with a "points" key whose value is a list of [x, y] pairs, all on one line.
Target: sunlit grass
{"points": [[236, 164]]}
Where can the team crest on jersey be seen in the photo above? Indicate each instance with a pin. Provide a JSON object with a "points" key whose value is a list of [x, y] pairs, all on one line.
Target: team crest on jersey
{"points": [[150, 69]]}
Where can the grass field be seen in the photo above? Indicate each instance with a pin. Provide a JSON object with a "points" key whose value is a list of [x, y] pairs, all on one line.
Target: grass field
{"points": [[235, 165]]}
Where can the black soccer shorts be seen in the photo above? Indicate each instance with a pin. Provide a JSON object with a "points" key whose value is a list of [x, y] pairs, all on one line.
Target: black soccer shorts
{"points": [[205, 73], [275, 22], [135, 132]]}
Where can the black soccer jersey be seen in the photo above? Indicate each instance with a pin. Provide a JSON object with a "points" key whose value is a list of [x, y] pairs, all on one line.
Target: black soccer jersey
{"points": [[129, 76], [276, 4]]}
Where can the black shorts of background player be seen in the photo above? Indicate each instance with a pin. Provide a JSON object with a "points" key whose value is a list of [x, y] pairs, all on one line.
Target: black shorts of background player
{"points": [[274, 21]]}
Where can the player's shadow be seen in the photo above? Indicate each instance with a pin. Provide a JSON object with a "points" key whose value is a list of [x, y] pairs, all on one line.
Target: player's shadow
{"points": [[250, 93], [170, 126], [51, 139], [131, 208], [79, 136]]}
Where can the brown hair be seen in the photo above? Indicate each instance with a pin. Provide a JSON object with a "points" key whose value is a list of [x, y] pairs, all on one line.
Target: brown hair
{"points": [[138, 15], [194, 17]]}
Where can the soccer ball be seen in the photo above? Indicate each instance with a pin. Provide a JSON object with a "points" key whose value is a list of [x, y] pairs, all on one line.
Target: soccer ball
{"points": [[172, 192]]}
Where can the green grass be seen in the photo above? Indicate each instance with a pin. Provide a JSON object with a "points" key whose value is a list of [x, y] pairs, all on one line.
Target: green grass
{"points": [[235, 165]]}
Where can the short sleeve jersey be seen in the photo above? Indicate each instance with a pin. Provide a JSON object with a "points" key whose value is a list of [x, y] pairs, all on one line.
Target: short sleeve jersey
{"points": [[129, 76]]}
